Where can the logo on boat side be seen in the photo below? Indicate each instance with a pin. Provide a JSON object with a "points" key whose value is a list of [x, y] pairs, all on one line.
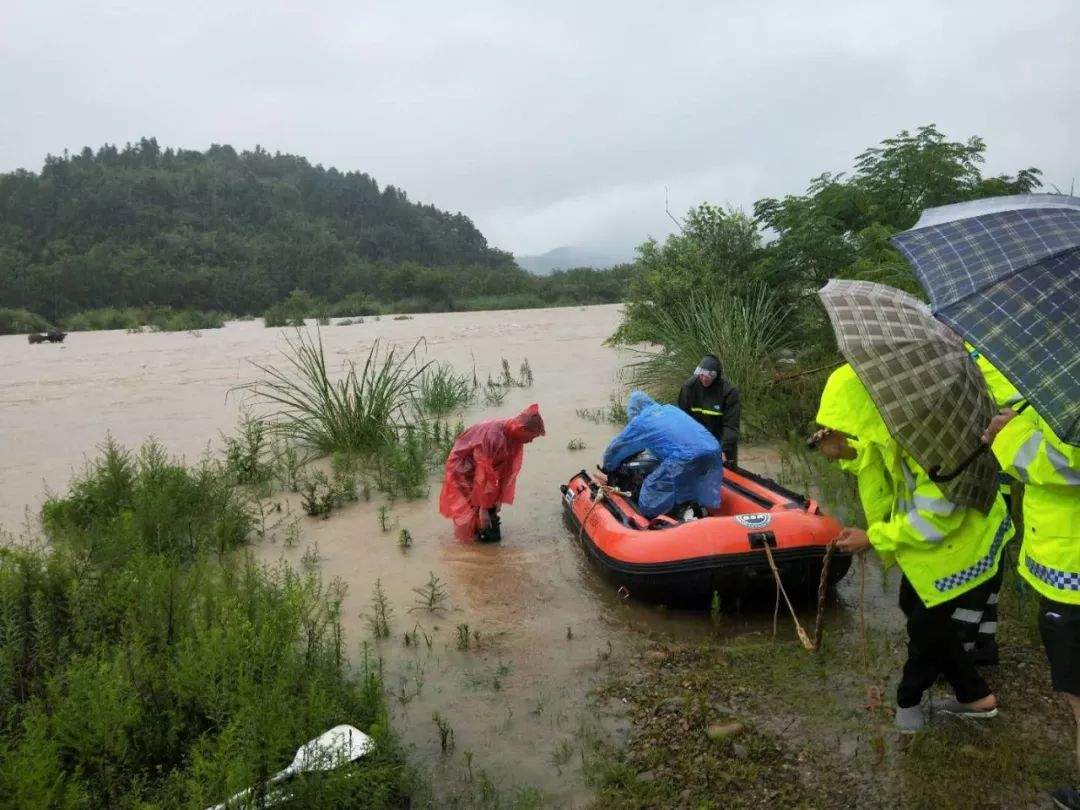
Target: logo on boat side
{"points": [[568, 496], [755, 520]]}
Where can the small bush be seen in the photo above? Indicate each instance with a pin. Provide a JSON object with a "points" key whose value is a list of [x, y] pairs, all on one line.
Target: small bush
{"points": [[354, 305], [248, 453], [92, 320], [124, 503], [166, 319], [293, 310]]}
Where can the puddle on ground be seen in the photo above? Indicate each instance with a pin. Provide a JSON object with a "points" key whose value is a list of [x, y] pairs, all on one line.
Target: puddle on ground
{"points": [[549, 628]]}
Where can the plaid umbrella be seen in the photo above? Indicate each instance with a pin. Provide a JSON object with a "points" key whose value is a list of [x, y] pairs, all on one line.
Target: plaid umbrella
{"points": [[928, 390], [1005, 273]]}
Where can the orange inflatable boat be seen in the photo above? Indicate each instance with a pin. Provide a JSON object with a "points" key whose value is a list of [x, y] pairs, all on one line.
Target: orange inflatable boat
{"points": [[680, 561]]}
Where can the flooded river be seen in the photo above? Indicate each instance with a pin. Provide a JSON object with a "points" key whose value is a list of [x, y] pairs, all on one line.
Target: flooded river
{"points": [[549, 628]]}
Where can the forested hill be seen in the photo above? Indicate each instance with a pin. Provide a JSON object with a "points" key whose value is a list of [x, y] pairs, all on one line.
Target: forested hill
{"points": [[226, 230]]}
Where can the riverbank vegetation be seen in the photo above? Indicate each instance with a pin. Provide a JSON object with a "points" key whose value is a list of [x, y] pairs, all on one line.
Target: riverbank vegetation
{"points": [[147, 660], [718, 285]]}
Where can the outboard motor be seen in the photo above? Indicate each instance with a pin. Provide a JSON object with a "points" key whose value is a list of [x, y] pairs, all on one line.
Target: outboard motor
{"points": [[631, 474]]}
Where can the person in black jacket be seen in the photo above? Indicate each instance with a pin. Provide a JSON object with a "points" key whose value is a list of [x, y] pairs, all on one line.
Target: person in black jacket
{"points": [[714, 402]]}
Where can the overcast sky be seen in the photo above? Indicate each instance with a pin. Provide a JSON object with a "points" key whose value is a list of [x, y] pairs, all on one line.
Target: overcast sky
{"points": [[549, 123]]}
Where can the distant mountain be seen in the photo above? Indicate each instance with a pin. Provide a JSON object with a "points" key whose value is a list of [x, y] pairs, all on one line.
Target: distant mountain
{"points": [[567, 257]]}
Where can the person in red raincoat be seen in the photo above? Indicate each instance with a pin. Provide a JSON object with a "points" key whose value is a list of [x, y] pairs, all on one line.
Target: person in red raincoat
{"points": [[481, 472]]}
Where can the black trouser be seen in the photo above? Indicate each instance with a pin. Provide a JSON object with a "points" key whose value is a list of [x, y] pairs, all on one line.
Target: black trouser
{"points": [[731, 452], [935, 648], [493, 532], [978, 625]]}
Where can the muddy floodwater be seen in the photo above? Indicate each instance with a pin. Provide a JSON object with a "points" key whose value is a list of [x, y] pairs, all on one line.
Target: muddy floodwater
{"points": [[543, 627]]}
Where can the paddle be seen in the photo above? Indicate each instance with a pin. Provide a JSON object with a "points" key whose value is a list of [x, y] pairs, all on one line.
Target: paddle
{"points": [[331, 749]]}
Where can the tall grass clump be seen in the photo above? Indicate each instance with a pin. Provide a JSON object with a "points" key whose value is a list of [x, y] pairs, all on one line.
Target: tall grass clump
{"points": [[443, 390], [745, 331], [21, 321], [360, 413], [139, 666]]}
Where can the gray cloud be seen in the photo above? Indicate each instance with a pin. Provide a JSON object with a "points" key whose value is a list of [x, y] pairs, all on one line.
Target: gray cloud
{"points": [[554, 123]]}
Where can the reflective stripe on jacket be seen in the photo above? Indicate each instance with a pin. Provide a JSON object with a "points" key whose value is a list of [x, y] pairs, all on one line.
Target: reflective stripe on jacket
{"points": [[1029, 450]]}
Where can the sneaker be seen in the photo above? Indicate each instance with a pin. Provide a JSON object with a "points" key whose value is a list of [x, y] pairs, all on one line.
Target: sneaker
{"points": [[1066, 798], [956, 708], [910, 719]]}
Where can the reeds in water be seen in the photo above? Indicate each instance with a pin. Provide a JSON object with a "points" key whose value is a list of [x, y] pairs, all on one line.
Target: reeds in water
{"points": [[442, 390], [360, 413]]}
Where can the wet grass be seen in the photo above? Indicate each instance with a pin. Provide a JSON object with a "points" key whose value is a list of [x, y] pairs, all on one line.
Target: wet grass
{"points": [[442, 390], [815, 730], [613, 414]]}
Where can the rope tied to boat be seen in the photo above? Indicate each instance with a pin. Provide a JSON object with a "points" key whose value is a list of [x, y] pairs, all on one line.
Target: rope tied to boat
{"points": [[810, 644], [601, 491]]}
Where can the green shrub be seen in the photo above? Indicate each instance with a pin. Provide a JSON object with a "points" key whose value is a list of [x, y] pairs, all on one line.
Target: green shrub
{"points": [[124, 503], [293, 310], [131, 675], [248, 454], [21, 321], [105, 318], [166, 319], [351, 306]]}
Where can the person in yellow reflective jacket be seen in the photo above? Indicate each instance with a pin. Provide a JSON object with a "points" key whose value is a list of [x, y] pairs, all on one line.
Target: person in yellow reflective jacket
{"points": [[1029, 450], [947, 553]]}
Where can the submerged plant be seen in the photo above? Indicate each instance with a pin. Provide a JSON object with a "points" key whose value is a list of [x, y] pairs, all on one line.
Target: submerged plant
{"points": [[405, 539], [385, 522], [493, 394], [525, 374], [442, 390], [247, 453], [403, 466], [432, 595], [575, 444], [378, 618], [446, 733]]}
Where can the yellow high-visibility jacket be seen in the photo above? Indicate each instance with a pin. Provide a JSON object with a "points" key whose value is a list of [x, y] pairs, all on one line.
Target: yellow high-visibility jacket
{"points": [[943, 549], [1029, 450]]}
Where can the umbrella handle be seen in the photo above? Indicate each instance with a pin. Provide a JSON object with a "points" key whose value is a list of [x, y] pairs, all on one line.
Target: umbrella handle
{"points": [[939, 478]]}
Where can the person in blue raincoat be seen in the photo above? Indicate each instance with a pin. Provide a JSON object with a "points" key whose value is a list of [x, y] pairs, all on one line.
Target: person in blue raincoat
{"points": [[691, 466]]}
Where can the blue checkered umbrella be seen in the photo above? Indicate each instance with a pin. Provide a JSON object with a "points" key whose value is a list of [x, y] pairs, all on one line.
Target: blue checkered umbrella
{"points": [[1004, 272]]}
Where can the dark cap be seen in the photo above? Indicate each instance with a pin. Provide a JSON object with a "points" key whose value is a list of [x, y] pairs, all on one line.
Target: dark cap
{"points": [[710, 362]]}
